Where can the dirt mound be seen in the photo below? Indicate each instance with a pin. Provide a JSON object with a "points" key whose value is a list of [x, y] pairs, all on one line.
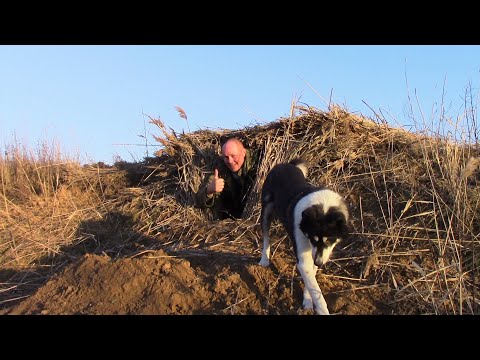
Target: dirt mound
{"points": [[162, 284], [98, 285]]}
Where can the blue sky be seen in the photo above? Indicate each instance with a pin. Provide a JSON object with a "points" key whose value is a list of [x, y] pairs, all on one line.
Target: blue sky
{"points": [[92, 99]]}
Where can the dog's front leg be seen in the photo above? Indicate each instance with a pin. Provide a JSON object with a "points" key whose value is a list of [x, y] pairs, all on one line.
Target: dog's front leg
{"points": [[307, 299], [265, 260], [266, 218], [312, 290]]}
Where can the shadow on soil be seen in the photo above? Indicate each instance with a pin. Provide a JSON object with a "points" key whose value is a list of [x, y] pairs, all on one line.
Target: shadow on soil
{"points": [[111, 236]]}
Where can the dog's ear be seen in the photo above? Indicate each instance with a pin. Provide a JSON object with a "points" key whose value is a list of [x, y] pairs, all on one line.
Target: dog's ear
{"points": [[335, 221], [310, 217], [312, 212]]}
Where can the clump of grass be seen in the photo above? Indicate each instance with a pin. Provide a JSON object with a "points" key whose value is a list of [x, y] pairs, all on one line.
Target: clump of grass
{"points": [[26, 172], [183, 115], [44, 197]]}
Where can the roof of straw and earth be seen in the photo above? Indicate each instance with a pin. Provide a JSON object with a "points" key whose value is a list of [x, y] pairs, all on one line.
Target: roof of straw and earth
{"points": [[128, 239]]}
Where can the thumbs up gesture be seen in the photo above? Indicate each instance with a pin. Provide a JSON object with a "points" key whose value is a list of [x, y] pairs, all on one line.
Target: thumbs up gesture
{"points": [[216, 185]]}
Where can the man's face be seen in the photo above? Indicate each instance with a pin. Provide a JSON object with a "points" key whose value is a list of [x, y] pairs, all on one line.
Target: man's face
{"points": [[233, 154]]}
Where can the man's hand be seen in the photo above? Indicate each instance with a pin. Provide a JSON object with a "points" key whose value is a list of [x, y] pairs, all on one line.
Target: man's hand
{"points": [[216, 185]]}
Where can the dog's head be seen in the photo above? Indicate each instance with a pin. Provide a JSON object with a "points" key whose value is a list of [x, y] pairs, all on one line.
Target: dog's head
{"points": [[324, 229]]}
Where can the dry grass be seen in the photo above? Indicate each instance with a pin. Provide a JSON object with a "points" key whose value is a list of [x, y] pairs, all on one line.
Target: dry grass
{"points": [[44, 200], [414, 199]]}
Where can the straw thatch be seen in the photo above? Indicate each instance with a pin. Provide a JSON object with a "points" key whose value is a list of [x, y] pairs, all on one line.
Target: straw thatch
{"points": [[415, 206]]}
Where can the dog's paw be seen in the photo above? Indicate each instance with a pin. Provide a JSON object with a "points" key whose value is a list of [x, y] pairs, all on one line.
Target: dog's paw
{"points": [[264, 262], [307, 304], [322, 311], [302, 311]]}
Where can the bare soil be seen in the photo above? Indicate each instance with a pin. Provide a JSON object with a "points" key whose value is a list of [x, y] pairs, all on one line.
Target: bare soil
{"points": [[202, 282]]}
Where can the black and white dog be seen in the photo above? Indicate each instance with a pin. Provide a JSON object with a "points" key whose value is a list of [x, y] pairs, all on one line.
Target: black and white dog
{"points": [[315, 218]]}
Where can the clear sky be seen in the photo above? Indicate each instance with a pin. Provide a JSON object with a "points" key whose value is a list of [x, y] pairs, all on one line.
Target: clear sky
{"points": [[94, 99]]}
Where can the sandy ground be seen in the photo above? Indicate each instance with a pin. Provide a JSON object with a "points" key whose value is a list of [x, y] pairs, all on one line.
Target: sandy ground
{"points": [[157, 283]]}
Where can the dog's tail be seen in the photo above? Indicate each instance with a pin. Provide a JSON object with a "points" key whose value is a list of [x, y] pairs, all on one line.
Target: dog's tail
{"points": [[301, 164]]}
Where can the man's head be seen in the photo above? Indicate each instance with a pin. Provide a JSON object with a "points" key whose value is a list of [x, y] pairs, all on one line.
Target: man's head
{"points": [[233, 153]]}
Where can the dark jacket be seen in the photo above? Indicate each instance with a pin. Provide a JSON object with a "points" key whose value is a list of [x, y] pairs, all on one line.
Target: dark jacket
{"points": [[231, 201]]}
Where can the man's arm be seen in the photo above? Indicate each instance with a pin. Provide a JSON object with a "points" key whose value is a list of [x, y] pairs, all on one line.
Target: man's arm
{"points": [[202, 198]]}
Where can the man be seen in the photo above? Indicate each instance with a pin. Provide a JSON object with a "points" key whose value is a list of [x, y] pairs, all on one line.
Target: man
{"points": [[226, 190]]}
